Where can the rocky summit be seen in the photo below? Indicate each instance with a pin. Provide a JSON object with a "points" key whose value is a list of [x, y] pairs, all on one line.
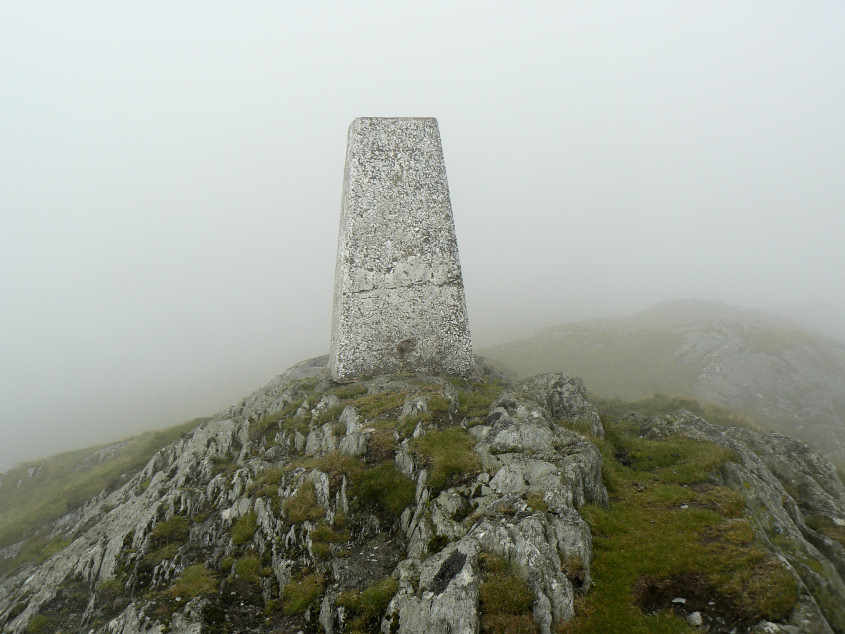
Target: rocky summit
{"points": [[412, 503]]}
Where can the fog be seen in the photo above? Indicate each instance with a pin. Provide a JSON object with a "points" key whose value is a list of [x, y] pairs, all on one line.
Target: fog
{"points": [[170, 179]]}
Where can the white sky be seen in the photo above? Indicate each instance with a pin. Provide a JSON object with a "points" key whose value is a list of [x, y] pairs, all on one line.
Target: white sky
{"points": [[170, 178]]}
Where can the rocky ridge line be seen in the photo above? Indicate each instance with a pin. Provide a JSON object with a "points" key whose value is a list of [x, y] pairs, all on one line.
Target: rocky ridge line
{"points": [[520, 504]]}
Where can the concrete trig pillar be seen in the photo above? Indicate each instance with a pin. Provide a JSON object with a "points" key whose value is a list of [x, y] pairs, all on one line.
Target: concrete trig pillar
{"points": [[399, 296]]}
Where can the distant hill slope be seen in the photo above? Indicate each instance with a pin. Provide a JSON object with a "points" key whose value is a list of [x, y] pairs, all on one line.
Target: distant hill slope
{"points": [[39, 491], [764, 366]]}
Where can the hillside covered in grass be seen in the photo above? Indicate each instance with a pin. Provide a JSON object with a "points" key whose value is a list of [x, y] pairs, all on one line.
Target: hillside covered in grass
{"points": [[434, 504], [34, 494], [761, 367]]}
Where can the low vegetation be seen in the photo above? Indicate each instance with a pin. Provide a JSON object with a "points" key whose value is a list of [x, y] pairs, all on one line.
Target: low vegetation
{"points": [[324, 536], [504, 598], [195, 581], [375, 405], [38, 548], [365, 608], [244, 528], [669, 532], [38, 492], [175, 529], [302, 506], [386, 488], [626, 362], [266, 486], [448, 455], [826, 526], [249, 569], [301, 592]]}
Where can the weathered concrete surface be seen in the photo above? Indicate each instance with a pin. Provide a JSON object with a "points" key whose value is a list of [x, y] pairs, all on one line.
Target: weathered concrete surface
{"points": [[399, 296]]}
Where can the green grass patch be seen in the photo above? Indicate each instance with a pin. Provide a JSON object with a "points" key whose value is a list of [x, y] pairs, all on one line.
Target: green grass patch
{"points": [[157, 555], [438, 405], [332, 413], [266, 486], [67, 480], [40, 624], [175, 529], [335, 465], [301, 592], [474, 402], [324, 535], [504, 598], [279, 420], [249, 569], [536, 502], [669, 530], [384, 487], [302, 506], [365, 608], [244, 529], [349, 390], [37, 549], [448, 455], [375, 405], [195, 581], [382, 446], [826, 526]]}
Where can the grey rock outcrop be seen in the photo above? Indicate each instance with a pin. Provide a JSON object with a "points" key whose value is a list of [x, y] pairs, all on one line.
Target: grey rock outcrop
{"points": [[284, 499], [526, 513], [235, 471]]}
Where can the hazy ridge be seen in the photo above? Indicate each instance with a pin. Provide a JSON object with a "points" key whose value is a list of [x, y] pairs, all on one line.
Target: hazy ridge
{"points": [[786, 377]]}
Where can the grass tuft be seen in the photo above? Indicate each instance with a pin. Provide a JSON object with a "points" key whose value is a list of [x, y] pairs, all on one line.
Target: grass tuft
{"points": [[244, 529], [302, 506], [386, 488], [375, 405], [323, 536], [504, 598], [365, 609], [448, 454], [175, 529], [301, 592], [195, 581]]}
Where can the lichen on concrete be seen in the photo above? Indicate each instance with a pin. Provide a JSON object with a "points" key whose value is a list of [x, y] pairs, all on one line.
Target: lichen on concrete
{"points": [[399, 298]]}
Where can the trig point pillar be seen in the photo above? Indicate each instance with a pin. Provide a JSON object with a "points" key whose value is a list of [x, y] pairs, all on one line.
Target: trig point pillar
{"points": [[399, 296]]}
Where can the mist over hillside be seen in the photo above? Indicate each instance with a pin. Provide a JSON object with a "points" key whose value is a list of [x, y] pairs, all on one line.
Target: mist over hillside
{"points": [[171, 179], [767, 366]]}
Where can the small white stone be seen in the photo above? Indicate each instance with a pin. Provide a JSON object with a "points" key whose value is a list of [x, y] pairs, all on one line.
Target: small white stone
{"points": [[695, 619], [679, 600]]}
